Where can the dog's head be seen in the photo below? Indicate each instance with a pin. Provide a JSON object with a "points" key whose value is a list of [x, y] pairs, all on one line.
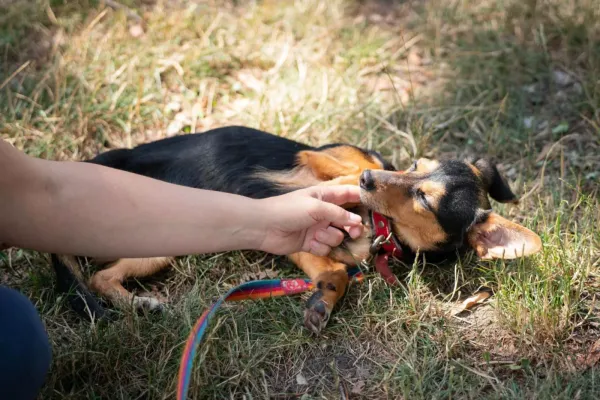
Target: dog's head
{"points": [[439, 206]]}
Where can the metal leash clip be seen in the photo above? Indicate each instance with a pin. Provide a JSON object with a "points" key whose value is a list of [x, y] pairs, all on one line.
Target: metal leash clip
{"points": [[366, 263], [374, 249], [378, 242]]}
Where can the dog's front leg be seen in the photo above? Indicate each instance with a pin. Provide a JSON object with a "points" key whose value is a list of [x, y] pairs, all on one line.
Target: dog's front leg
{"points": [[330, 278]]}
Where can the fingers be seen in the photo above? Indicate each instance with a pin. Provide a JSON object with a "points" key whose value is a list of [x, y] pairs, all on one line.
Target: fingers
{"points": [[319, 249], [330, 236], [331, 197], [339, 194], [324, 239], [336, 215], [355, 231]]}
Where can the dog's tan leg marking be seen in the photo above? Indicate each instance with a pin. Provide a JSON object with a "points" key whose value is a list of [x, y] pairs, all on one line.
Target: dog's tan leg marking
{"points": [[109, 282], [330, 279]]}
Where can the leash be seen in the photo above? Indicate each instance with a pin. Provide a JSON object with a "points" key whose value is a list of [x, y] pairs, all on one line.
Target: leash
{"points": [[246, 291], [384, 246]]}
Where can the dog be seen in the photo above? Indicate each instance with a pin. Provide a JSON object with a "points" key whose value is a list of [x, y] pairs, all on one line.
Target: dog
{"points": [[435, 208]]}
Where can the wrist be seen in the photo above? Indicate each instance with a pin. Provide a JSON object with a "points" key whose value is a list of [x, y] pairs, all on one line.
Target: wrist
{"points": [[254, 224]]}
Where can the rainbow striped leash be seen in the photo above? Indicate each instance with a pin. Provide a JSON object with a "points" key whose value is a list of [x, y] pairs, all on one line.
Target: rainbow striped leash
{"points": [[249, 290]]}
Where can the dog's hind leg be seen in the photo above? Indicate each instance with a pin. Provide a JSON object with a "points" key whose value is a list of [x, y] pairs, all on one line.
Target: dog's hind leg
{"points": [[109, 282], [330, 278], [70, 282]]}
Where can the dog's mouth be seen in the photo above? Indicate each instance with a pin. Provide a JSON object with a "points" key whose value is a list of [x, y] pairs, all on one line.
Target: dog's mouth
{"points": [[369, 200]]}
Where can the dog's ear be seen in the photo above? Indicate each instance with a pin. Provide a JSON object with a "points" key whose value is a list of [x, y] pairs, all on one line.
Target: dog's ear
{"points": [[325, 166], [492, 236], [493, 182]]}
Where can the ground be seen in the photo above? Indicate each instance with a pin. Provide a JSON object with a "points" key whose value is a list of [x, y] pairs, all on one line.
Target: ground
{"points": [[518, 80]]}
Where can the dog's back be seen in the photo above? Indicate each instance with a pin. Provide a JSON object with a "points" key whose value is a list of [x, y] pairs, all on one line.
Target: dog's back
{"points": [[225, 159]]}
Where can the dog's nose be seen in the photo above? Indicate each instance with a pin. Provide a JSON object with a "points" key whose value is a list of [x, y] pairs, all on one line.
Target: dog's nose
{"points": [[366, 181]]}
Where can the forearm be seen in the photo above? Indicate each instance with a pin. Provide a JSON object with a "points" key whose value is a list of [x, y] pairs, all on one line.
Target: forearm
{"points": [[90, 210]]}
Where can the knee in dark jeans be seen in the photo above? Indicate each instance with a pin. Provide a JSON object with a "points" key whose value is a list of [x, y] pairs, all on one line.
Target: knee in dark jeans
{"points": [[25, 353]]}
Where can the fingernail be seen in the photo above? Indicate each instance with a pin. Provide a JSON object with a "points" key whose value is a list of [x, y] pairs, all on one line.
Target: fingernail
{"points": [[355, 218]]}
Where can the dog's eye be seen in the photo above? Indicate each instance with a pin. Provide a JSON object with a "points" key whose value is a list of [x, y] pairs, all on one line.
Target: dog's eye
{"points": [[422, 198]]}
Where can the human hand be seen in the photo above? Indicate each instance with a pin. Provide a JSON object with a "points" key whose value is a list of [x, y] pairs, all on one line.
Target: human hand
{"points": [[309, 220]]}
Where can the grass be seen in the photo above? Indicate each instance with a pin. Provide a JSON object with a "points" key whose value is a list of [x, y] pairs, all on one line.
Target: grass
{"points": [[518, 80]]}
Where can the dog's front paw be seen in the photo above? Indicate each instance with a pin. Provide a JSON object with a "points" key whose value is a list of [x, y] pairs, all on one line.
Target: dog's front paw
{"points": [[331, 286], [317, 313], [142, 303]]}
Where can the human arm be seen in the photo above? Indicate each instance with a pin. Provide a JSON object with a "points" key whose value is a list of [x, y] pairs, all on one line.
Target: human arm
{"points": [[91, 210]]}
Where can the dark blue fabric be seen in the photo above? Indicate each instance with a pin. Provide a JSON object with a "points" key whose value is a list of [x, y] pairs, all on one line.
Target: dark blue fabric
{"points": [[25, 353]]}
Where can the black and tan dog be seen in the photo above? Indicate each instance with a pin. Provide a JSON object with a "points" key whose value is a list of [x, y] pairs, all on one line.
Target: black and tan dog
{"points": [[435, 208]]}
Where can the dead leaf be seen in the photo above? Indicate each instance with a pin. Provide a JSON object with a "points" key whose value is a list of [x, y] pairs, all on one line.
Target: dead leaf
{"points": [[471, 302], [358, 387], [593, 355], [248, 79], [362, 372], [301, 380], [173, 106], [136, 30], [197, 108], [561, 78], [414, 58], [236, 107], [174, 127], [268, 273]]}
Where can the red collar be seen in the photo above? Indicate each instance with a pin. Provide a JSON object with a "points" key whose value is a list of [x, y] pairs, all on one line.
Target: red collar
{"points": [[384, 245]]}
